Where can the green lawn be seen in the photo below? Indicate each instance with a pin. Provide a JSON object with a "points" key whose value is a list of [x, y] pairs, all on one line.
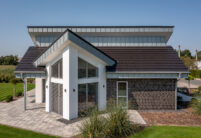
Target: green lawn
{"points": [[10, 132], [7, 89], [169, 132]]}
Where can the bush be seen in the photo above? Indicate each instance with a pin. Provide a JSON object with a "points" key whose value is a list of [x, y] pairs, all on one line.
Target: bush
{"points": [[9, 98], [190, 77], [195, 73], [19, 94], [199, 88], [115, 124], [118, 124], [196, 105], [9, 60], [94, 127], [6, 73]]}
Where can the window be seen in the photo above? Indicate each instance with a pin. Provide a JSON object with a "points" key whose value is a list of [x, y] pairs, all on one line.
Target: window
{"points": [[82, 65], [57, 69], [122, 93], [86, 70], [87, 96]]}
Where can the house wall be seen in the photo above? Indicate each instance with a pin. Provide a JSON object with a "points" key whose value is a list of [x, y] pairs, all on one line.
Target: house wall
{"points": [[39, 90], [147, 94], [198, 63], [70, 80]]}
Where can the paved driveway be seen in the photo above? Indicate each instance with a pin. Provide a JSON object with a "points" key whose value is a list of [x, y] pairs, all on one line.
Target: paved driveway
{"points": [[36, 119]]}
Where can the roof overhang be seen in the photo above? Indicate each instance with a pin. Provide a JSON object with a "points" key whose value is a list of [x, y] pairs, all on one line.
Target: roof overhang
{"points": [[26, 74], [66, 38], [103, 30], [147, 75]]}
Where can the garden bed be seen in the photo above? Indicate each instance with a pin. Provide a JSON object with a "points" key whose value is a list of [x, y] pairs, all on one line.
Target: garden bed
{"points": [[184, 117]]}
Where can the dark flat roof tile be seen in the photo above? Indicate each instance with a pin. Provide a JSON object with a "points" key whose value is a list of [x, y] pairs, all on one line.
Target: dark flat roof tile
{"points": [[26, 63], [144, 58]]}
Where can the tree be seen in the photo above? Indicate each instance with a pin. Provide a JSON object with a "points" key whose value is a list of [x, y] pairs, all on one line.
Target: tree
{"points": [[8, 60], [189, 62], [199, 55], [14, 81], [186, 53]]}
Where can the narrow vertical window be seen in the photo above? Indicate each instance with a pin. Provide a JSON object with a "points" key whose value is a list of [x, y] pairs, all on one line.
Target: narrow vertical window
{"points": [[57, 69]]}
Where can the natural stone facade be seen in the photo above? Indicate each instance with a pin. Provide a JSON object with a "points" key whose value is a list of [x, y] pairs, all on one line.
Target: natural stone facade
{"points": [[146, 94]]}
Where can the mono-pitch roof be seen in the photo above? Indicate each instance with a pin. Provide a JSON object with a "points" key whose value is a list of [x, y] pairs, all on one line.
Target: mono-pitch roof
{"points": [[144, 59], [26, 63]]}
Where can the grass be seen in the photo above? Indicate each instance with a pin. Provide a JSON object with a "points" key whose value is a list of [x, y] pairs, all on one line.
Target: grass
{"points": [[7, 89], [10, 132], [169, 132]]}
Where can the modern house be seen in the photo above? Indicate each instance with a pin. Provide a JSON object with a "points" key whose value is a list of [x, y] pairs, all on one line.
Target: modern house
{"points": [[79, 67]]}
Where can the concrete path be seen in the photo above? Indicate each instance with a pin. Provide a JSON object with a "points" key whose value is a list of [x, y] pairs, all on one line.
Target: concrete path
{"points": [[36, 119]]}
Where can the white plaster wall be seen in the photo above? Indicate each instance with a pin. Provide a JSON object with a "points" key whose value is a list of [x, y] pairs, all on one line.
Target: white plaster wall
{"points": [[102, 92], [198, 64], [48, 90], [70, 82], [39, 90]]}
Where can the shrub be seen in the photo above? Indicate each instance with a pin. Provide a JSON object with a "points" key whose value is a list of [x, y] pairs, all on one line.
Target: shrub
{"points": [[30, 80], [115, 124], [94, 127], [6, 73], [19, 94], [190, 77], [199, 88], [195, 73], [118, 124], [196, 105], [9, 98]]}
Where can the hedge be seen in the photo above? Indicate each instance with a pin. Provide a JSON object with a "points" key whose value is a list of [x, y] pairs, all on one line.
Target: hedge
{"points": [[195, 73]]}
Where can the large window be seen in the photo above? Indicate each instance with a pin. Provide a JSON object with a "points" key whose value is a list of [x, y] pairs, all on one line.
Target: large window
{"points": [[87, 96], [57, 69], [86, 70]]}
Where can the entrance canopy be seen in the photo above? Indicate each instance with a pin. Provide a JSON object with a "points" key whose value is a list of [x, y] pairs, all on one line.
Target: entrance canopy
{"points": [[26, 69]]}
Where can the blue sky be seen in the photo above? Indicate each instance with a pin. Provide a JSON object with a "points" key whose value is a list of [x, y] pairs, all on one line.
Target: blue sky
{"points": [[16, 15]]}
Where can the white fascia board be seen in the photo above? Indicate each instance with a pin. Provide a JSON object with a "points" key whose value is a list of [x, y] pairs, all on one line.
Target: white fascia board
{"points": [[99, 29], [30, 75], [150, 72], [146, 75]]}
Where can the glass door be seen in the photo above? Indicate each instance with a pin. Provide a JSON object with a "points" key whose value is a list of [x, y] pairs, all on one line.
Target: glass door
{"points": [[87, 97], [122, 94]]}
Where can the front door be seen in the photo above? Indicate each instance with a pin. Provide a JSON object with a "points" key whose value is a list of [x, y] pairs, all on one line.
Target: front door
{"points": [[122, 94]]}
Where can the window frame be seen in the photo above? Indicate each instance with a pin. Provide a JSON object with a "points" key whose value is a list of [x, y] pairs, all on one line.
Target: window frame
{"points": [[59, 66], [117, 93], [87, 70]]}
